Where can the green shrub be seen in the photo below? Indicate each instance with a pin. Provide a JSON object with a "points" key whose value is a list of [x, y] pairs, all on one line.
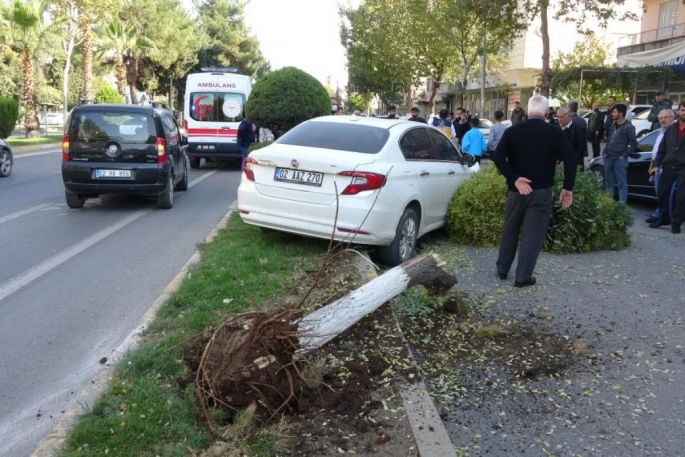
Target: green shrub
{"points": [[9, 113], [594, 222], [108, 94], [255, 146], [286, 97]]}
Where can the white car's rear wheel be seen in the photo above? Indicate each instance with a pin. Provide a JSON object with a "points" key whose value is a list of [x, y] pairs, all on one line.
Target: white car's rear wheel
{"points": [[403, 247]]}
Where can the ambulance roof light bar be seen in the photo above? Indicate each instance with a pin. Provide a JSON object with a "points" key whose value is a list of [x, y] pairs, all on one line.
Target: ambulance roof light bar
{"points": [[220, 69]]}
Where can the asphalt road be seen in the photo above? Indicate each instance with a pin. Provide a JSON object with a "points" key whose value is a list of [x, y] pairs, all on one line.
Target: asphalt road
{"points": [[74, 283]]}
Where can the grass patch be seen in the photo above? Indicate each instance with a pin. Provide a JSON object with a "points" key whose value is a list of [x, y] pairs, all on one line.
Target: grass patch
{"points": [[46, 139], [149, 409]]}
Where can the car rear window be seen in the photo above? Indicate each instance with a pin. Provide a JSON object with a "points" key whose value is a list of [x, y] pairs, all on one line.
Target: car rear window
{"points": [[337, 136], [103, 126]]}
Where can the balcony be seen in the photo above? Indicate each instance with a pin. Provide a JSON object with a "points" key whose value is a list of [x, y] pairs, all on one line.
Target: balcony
{"points": [[651, 39]]}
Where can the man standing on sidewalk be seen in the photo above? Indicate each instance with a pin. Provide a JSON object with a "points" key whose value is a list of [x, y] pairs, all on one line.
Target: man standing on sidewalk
{"points": [[621, 143], [660, 103], [581, 127], [527, 156], [595, 129], [671, 158], [608, 120], [665, 120]]}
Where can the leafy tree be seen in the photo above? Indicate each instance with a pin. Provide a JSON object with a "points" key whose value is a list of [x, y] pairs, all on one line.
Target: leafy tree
{"points": [[589, 53], [108, 94], [30, 30], [358, 101], [67, 10], [10, 72], [575, 11], [285, 98], [9, 114], [230, 43], [122, 39]]}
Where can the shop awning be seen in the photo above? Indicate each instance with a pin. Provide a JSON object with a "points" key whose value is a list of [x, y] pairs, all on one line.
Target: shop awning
{"points": [[669, 56]]}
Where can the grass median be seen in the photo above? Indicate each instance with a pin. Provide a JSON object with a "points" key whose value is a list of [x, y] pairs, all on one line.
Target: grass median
{"points": [[32, 141], [149, 408]]}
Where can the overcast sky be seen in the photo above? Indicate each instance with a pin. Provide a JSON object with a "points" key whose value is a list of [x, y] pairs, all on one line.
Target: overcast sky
{"points": [[300, 33]]}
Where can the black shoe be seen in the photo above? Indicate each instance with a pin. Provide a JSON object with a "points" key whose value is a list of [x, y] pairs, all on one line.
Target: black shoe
{"points": [[651, 219], [659, 223], [502, 276], [530, 282], [675, 228]]}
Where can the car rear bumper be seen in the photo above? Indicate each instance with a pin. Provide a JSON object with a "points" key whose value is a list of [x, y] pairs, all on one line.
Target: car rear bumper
{"points": [[319, 221], [215, 150], [146, 179]]}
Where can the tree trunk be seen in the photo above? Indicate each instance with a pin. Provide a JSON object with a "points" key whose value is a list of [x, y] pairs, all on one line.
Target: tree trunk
{"points": [[28, 99], [326, 323], [68, 51], [120, 71], [131, 62], [483, 77], [545, 76], [87, 59]]}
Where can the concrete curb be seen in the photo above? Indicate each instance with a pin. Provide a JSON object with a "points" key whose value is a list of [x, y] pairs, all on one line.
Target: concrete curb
{"points": [[97, 386], [430, 434], [34, 148]]}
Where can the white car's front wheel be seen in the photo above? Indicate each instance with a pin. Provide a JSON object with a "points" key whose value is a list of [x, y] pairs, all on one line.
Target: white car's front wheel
{"points": [[403, 247]]}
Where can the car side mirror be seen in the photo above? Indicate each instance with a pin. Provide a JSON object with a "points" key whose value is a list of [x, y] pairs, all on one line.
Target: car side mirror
{"points": [[469, 159]]}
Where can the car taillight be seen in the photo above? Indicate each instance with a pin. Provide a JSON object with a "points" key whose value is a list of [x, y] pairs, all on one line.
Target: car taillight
{"points": [[362, 181], [185, 124], [247, 168], [65, 148], [161, 150]]}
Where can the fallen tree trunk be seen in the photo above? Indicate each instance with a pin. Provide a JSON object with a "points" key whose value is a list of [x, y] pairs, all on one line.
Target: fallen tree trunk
{"points": [[326, 323]]}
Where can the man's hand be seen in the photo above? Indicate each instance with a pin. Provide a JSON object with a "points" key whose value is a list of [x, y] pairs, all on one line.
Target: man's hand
{"points": [[566, 198], [653, 170], [523, 186]]}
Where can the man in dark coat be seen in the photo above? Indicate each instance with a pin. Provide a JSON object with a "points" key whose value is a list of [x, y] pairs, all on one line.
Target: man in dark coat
{"points": [[608, 119], [595, 129], [572, 133], [527, 156], [581, 126]]}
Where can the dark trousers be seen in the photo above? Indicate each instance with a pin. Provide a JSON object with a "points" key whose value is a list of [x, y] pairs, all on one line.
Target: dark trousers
{"points": [[594, 141], [669, 175], [528, 215]]}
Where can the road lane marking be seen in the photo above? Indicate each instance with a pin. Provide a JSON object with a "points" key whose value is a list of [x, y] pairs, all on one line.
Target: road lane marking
{"points": [[24, 212], [19, 155], [35, 272]]}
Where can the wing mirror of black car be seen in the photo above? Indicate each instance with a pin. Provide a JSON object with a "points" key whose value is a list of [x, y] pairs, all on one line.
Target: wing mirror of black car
{"points": [[468, 159]]}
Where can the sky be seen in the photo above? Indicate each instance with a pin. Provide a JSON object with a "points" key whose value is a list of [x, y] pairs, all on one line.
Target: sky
{"points": [[301, 33]]}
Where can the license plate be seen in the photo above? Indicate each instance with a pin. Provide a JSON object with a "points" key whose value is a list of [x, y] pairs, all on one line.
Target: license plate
{"points": [[112, 173], [308, 178]]}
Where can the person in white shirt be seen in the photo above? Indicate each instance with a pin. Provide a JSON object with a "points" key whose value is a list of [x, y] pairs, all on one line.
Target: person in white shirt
{"points": [[666, 118]]}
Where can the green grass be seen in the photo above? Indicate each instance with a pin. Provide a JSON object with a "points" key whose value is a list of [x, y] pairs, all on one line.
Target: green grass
{"points": [[145, 412], [16, 142]]}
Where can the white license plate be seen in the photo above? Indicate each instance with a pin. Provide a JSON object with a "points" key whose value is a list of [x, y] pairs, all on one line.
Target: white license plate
{"points": [[308, 178], [112, 173]]}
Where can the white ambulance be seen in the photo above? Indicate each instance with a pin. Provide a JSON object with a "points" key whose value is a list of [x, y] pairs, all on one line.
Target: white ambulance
{"points": [[214, 105]]}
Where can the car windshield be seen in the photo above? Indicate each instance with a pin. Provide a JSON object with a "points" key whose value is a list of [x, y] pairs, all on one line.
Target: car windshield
{"points": [[102, 126], [642, 116], [337, 136], [485, 124], [646, 143]]}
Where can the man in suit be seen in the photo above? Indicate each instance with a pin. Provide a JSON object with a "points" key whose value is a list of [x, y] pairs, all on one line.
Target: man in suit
{"points": [[527, 156], [572, 133], [595, 128], [581, 126], [608, 119]]}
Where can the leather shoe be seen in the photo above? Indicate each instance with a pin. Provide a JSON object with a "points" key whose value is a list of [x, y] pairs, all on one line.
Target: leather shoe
{"points": [[675, 229], [530, 282], [659, 223], [651, 219], [502, 276]]}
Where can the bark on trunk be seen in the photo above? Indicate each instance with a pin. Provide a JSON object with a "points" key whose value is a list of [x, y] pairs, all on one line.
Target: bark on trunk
{"points": [[545, 76], [326, 323], [120, 70], [68, 51], [87, 59], [131, 62], [31, 122]]}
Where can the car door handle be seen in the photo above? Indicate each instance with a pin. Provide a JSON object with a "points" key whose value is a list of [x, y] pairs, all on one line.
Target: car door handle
{"points": [[225, 128], [452, 172], [424, 173]]}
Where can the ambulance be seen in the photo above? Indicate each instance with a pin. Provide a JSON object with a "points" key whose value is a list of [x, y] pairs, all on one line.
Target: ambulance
{"points": [[214, 105]]}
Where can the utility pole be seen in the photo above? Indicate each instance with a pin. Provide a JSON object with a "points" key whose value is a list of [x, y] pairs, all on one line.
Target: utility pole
{"points": [[483, 63]]}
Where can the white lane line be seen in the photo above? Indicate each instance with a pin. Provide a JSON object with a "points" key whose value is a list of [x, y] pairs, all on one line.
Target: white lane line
{"points": [[24, 212], [35, 272], [199, 179], [19, 155]]}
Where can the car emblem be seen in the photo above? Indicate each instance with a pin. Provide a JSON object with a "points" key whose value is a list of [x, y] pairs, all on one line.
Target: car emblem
{"points": [[112, 150], [295, 163]]}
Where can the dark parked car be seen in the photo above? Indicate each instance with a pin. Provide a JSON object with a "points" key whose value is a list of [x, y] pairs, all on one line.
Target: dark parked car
{"points": [[123, 149], [5, 159], [638, 168]]}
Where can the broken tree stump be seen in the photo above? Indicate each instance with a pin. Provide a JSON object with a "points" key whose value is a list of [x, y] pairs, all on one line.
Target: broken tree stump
{"points": [[324, 324]]}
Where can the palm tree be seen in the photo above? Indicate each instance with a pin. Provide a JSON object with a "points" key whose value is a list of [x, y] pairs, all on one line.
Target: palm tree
{"points": [[30, 30], [122, 40]]}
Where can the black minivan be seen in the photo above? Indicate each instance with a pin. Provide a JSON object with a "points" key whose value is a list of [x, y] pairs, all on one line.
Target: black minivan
{"points": [[123, 149]]}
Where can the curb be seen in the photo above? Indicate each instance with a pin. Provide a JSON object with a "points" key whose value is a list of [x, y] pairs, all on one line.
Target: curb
{"points": [[52, 443], [34, 147], [429, 431]]}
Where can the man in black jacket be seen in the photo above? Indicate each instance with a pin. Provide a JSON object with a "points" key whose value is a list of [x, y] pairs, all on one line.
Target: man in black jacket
{"points": [[608, 120], [572, 134], [595, 129], [581, 126], [527, 156], [671, 157]]}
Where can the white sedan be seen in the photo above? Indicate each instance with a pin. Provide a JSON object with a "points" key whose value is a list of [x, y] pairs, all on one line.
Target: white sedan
{"points": [[357, 179]]}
